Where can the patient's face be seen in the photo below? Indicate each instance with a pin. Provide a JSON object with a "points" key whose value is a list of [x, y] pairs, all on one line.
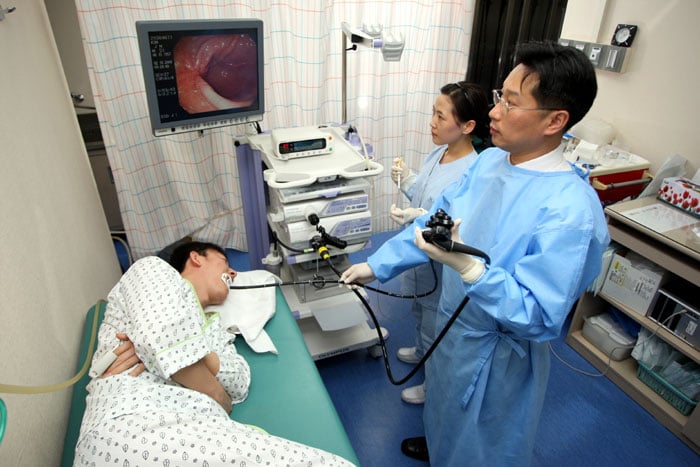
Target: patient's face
{"points": [[215, 265]]}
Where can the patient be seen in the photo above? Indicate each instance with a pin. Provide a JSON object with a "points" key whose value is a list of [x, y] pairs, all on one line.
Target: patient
{"points": [[173, 406]]}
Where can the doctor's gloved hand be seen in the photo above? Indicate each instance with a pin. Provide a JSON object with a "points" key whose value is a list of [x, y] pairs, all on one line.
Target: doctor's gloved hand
{"points": [[360, 273], [404, 216], [469, 268]]}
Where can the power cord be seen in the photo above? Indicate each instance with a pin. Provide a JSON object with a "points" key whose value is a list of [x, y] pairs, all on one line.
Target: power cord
{"points": [[621, 347], [276, 240]]}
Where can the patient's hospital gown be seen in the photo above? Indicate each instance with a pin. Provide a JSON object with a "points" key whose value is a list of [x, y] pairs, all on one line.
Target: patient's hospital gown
{"points": [[485, 384], [150, 419]]}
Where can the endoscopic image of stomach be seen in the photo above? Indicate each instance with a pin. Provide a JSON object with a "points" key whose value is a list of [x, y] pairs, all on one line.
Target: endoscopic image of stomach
{"points": [[216, 72]]}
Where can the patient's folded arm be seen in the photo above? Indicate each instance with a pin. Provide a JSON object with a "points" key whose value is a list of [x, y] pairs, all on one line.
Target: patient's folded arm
{"points": [[126, 359], [199, 377]]}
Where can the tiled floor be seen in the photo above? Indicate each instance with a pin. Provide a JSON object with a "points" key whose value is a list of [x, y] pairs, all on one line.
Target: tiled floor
{"points": [[586, 421]]}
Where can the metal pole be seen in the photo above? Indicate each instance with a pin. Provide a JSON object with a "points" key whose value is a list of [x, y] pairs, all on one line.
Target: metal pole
{"points": [[344, 83]]}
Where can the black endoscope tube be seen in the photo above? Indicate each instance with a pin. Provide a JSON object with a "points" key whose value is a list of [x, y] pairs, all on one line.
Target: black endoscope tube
{"points": [[427, 354], [382, 342]]}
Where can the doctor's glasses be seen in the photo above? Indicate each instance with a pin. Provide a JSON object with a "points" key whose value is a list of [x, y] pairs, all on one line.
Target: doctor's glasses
{"points": [[507, 106]]}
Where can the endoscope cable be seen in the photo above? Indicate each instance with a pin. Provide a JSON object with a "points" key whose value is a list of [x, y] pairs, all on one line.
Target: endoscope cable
{"points": [[382, 342], [325, 254]]}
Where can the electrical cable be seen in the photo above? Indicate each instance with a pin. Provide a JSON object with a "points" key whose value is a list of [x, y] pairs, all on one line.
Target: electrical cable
{"points": [[276, 240], [609, 363]]}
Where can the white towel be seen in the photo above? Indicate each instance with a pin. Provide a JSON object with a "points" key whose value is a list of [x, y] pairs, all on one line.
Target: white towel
{"points": [[246, 311]]}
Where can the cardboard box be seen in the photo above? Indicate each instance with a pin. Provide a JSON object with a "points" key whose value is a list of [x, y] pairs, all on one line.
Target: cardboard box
{"points": [[633, 281], [681, 193]]}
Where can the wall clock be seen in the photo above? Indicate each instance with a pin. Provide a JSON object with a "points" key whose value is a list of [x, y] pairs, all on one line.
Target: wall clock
{"points": [[624, 35]]}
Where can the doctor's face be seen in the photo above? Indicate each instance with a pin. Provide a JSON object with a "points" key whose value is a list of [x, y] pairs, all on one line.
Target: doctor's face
{"points": [[518, 125], [444, 128]]}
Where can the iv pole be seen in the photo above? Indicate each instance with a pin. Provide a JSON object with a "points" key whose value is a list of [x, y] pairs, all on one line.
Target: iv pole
{"points": [[391, 46]]}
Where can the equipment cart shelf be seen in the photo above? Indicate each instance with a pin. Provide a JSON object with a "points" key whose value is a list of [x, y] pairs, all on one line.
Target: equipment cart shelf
{"points": [[669, 250], [311, 188]]}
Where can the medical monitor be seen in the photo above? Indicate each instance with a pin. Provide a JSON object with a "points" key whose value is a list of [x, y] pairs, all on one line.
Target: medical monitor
{"points": [[202, 74]]}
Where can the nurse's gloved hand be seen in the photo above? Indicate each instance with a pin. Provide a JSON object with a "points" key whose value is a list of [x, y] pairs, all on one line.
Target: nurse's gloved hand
{"points": [[399, 171], [359, 273], [469, 268], [404, 216]]}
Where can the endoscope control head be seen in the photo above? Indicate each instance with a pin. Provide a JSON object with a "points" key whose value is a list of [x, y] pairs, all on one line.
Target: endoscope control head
{"points": [[439, 227]]}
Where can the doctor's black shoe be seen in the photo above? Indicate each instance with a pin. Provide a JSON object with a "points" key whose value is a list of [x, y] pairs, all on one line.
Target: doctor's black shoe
{"points": [[416, 448]]}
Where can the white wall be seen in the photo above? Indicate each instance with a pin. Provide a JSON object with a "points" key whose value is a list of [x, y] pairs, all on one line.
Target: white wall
{"points": [[654, 104], [63, 16], [57, 255]]}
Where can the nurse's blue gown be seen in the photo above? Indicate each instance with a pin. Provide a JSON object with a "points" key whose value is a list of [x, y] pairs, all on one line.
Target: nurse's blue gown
{"points": [[430, 182], [545, 233]]}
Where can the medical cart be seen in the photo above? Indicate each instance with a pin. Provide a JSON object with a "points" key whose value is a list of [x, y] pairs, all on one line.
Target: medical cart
{"points": [[312, 185]]}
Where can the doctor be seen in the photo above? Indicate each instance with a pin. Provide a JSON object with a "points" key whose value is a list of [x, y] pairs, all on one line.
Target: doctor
{"points": [[543, 227]]}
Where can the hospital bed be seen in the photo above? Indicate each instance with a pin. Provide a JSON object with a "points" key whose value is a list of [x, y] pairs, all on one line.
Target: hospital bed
{"points": [[287, 397]]}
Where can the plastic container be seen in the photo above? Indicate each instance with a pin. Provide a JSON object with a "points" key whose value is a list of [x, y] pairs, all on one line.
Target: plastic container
{"points": [[619, 177], [673, 396], [608, 336]]}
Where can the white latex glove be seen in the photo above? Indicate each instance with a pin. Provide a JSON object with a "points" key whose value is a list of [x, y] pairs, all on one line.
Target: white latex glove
{"points": [[399, 171], [469, 268], [360, 273], [404, 216]]}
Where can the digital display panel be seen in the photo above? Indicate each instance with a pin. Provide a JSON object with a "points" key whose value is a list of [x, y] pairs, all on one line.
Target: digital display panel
{"points": [[301, 146]]}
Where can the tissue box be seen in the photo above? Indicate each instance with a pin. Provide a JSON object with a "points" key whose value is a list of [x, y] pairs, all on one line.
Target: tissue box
{"points": [[681, 193], [608, 336], [633, 281]]}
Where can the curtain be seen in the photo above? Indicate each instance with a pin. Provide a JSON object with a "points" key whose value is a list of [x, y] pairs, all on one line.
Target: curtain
{"points": [[188, 184]]}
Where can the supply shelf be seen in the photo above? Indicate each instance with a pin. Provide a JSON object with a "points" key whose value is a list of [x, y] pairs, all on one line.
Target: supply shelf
{"points": [[680, 259]]}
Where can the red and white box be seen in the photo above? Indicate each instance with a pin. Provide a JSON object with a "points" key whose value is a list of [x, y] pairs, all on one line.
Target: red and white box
{"points": [[681, 193]]}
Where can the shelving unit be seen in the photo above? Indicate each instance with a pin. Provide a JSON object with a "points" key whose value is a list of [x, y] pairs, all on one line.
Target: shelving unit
{"points": [[670, 251], [329, 178]]}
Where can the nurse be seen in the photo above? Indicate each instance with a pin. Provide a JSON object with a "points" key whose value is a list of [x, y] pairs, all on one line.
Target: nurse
{"points": [[543, 227], [460, 112]]}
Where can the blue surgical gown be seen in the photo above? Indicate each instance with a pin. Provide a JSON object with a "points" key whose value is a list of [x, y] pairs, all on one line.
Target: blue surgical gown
{"points": [[432, 179], [545, 234]]}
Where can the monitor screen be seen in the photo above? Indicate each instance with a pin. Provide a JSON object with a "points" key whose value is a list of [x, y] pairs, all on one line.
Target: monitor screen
{"points": [[202, 74]]}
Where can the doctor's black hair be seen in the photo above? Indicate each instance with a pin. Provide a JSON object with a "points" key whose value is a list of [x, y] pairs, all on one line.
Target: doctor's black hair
{"points": [[470, 102], [566, 78], [181, 253]]}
